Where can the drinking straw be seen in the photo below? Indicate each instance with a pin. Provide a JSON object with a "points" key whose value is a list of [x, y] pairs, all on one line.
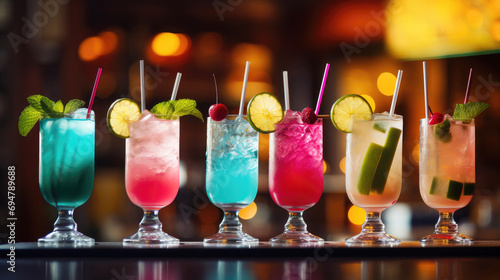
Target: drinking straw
{"points": [[468, 88], [244, 88], [97, 78], [143, 88], [176, 85], [325, 76], [286, 89], [425, 90], [396, 92]]}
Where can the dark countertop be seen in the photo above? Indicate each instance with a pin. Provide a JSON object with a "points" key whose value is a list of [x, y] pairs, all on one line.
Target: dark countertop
{"points": [[192, 260]]}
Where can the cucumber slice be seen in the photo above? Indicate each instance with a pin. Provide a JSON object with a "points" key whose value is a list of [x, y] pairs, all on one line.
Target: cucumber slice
{"points": [[386, 159], [434, 185], [368, 168], [454, 190], [469, 188], [380, 126]]}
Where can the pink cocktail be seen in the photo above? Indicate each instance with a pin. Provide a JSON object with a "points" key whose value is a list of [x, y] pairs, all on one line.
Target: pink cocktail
{"points": [[296, 173], [152, 173]]}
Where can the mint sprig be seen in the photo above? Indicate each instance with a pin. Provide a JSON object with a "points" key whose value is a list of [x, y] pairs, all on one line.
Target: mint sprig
{"points": [[173, 109], [40, 105], [467, 112]]}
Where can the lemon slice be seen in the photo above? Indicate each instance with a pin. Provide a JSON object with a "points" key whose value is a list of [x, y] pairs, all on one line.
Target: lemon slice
{"points": [[263, 111], [345, 107], [121, 113]]}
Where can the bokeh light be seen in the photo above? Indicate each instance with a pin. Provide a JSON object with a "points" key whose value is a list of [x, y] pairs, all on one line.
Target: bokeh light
{"points": [[356, 215], [495, 30], [91, 48], [342, 164], [184, 44], [386, 83], [370, 101], [110, 40], [415, 153], [248, 212], [166, 44]]}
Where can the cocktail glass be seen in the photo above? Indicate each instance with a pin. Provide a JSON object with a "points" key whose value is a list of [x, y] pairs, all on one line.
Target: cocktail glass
{"points": [[296, 174], [232, 175], [447, 174], [152, 174], [373, 173], [66, 172]]}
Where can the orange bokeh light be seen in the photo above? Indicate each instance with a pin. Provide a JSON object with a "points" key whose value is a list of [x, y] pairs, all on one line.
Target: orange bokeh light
{"points": [[90, 48], [110, 40]]}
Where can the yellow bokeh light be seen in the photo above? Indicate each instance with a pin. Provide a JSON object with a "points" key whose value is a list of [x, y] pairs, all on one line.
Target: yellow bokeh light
{"points": [[165, 44], [342, 165], [325, 166], [386, 83], [415, 153], [91, 48], [356, 215], [495, 30], [248, 212], [370, 101]]}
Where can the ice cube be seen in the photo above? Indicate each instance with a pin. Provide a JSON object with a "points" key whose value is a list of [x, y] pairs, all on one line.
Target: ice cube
{"points": [[146, 115], [80, 113], [291, 117]]}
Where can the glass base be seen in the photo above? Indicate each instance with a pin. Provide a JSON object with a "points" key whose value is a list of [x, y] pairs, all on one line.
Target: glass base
{"points": [[150, 237], [373, 239], [296, 238], [231, 238], [66, 238], [446, 239]]}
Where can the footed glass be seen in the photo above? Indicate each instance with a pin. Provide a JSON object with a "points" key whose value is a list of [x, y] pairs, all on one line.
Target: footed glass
{"points": [[373, 173], [447, 175], [152, 174], [296, 174], [232, 175], [66, 172]]}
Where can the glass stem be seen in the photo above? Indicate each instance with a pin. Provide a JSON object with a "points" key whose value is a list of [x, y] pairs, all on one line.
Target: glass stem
{"points": [[150, 221], [373, 223], [295, 222], [446, 224], [230, 223], [65, 221]]}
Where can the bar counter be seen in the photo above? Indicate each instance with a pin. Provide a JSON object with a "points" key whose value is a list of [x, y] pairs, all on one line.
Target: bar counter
{"points": [[193, 260]]}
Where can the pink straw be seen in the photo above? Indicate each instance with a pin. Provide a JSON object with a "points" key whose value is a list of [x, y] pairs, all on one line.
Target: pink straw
{"points": [[93, 91], [468, 88], [325, 76]]}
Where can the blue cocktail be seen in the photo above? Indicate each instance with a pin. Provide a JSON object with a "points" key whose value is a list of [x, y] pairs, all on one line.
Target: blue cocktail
{"points": [[232, 174]]}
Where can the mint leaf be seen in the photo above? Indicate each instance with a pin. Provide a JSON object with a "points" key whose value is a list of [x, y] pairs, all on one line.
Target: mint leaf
{"points": [[29, 117], [47, 105], [174, 109], [185, 107], [165, 109], [58, 107], [73, 105], [466, 112], [36, 100]]}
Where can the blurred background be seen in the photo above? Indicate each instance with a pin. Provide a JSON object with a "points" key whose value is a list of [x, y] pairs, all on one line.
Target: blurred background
{"points": [[54, 48]]}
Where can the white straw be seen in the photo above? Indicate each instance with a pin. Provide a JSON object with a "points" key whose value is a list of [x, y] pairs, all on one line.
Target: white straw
{"points": [[176, 85], [425, 90], [143, 87], [244, 88], [286, 89], [396, 92]]}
